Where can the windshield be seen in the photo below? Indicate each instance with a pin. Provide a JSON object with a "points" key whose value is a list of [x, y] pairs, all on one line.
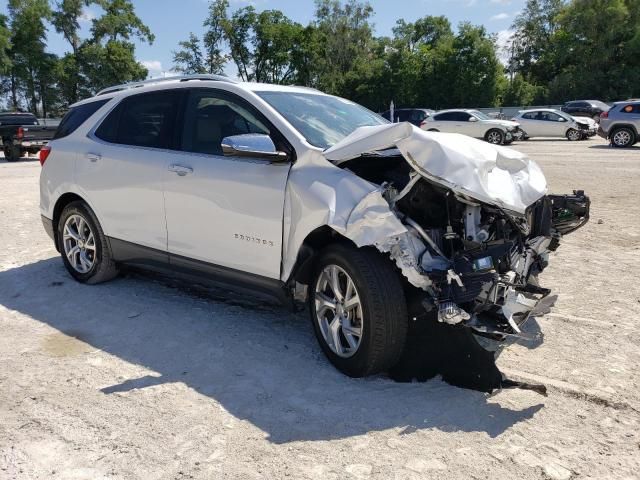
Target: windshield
{"points": [[480, 115], [322, 120]]}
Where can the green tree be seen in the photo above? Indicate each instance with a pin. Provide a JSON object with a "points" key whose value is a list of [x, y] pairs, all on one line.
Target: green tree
{"points": [[65, 19], [597, 50], [345, 33], [189, 58], [108, 57], [27, 53], [263, 45], [213, 39], [5, 46]]}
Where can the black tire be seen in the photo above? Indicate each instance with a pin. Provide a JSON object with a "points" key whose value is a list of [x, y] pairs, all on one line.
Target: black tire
{"points": [[623, 137], [433, 130], [103, 267], [573, 135], [384, 309], [494, 136], [12, 153]]}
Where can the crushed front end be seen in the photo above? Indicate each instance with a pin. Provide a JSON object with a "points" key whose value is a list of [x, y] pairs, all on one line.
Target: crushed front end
{"points": [[483, 261]]}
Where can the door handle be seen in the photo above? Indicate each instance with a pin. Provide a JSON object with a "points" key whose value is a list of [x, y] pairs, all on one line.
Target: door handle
{"points": [[181, 170], [94, 157]]}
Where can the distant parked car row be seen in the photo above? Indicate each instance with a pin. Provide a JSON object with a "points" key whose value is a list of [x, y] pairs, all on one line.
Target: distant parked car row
{"points": [[576, 120]]}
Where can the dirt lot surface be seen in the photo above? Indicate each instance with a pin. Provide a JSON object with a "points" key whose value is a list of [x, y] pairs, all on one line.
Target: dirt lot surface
{"points": [[141, 379]]}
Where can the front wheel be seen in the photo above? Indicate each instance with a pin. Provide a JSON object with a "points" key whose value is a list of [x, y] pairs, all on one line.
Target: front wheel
{"points": [[83, 245], [494, 136], [358, 310], [573, 135]]}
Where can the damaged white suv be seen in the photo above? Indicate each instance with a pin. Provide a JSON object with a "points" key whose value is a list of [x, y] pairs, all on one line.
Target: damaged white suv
{"points": [[307, 196]]}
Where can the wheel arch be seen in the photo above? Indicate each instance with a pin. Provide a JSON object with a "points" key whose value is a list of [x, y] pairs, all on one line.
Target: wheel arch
{"points": [[617, 126], [313, 243], [62, 201]]}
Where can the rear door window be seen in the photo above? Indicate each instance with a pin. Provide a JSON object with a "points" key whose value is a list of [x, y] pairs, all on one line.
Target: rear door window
{"points": [[76, 116], [144, 120]]}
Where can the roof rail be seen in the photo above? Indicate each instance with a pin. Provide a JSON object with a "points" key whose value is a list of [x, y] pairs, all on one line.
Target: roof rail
{"points": [[154, 81]]}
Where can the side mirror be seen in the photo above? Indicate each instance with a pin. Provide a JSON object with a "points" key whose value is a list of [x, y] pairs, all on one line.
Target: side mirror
{"points": [[254, 145], [473, 119]]}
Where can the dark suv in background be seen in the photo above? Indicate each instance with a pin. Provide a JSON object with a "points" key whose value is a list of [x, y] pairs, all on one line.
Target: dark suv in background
{"points": [[585, 108], [412, 115]]}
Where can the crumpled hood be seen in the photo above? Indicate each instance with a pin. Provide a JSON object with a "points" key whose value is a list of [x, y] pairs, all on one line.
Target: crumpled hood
{"points": [[488, 173], [585, 120], [504, 123]]}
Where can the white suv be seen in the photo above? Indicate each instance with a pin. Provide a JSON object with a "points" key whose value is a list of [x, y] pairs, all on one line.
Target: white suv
{"points": [[306, 196], [474, 124]]}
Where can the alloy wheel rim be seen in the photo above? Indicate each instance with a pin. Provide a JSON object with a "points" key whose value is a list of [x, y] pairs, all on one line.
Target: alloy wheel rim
{"points": [[79, 244], [622, 138], [494, 137], [573, 135], [338, 311]]}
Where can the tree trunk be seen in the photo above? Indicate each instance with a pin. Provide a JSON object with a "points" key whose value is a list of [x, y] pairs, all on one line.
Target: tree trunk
{"points": [[14, 92]]}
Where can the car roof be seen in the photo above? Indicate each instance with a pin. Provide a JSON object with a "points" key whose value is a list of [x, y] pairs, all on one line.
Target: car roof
{"points": [[467, 110], [554, 110], [168, 83]]}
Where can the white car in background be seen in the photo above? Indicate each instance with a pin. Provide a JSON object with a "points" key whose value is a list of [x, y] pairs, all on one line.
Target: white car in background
{"points": [[548, 122], [474, 124]]}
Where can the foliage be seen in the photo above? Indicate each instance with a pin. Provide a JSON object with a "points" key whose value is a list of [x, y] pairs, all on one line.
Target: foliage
{"points": [[560, 49], [189, 58], [580, 48]]}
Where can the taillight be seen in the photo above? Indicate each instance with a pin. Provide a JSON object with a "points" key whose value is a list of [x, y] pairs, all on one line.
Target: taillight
{"points": [[422, 123], [20, 133], [44, 154], [604, 115]]}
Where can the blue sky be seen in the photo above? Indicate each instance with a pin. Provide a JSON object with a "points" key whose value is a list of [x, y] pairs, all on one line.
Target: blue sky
{"points": [[172, 20]]}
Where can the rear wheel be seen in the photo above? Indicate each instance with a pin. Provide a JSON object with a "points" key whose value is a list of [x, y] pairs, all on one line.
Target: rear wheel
{"points": [[11, 152], [623, 137], [494, 136], [573, 135], [358, 310], [433, 130], [84, 248]]}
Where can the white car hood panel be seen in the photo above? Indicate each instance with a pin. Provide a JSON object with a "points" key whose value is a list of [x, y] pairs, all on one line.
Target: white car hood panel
{"points": [[488, 173], [504, 123]]}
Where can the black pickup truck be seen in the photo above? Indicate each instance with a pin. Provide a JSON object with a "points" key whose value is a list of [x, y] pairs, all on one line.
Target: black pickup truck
{"points": [[22, 133]]}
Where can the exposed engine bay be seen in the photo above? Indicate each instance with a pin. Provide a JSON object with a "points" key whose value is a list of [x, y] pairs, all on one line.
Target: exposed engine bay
{"points": [[481, 261]]}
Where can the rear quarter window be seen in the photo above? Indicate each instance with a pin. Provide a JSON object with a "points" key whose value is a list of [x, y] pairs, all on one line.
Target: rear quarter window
{"points": [[631, 108], [76, 116]]}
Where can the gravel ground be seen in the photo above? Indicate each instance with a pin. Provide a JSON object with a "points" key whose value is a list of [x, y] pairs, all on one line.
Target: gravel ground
{"points": [[143, 379]]}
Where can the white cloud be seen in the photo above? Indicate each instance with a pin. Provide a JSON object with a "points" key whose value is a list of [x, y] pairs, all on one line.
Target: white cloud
{"points": [[86, 16], [152, 65], [501, 2], [500, 16]]}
